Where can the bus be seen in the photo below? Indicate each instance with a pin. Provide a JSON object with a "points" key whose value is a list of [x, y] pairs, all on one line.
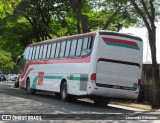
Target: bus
{"points": [[99, 65]]}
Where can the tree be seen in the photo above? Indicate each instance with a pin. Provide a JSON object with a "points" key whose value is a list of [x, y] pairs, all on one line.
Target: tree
{"points": [[9, 37], [113, 14], [78, 6], [27, 21], [6, 63], [148, 14], [48, 19], [37, 13]]}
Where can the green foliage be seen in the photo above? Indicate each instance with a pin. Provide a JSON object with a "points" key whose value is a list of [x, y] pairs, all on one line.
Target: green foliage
{"points": [[28, 21], [114, 12], [6, 63], [7, 7]]}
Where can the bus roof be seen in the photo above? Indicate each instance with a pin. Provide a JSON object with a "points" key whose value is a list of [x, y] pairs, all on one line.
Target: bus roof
{"points": [[89, 34], [64, 38]]}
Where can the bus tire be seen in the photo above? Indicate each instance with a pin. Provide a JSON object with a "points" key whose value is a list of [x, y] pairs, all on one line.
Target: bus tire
{"points": [[64, 95], [28, 89], [101, 102], [73, 98], [16, 84], [57, 95]]}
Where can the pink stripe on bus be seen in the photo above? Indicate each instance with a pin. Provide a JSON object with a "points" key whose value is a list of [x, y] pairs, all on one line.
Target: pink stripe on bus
{"points": [[55, 61]]}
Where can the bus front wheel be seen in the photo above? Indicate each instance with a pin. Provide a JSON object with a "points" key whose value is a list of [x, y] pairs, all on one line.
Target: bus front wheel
{"points": [[64, 94]]}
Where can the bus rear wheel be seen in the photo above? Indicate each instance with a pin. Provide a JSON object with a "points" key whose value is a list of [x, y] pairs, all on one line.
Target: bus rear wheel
{"points": [[57, 95], [64, 95], [28, 89], [101, 102]]}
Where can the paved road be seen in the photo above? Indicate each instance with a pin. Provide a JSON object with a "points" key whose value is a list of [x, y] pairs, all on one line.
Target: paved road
{"points": [[14, 101]]}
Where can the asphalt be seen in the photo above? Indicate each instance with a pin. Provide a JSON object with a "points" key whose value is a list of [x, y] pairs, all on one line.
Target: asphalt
{"points": [[128, 103]]}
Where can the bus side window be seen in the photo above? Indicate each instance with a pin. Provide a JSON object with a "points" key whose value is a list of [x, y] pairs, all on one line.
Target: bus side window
{"points": [[49, 51], [57, 50], [79, 47], [85, 42], [34, 51], [30, 53], [73, 48], [53, 50], [84, 47], [89, 46], [40, 52], [44, 51], [37, 52], [67, 49], [63, 46], [26, 53]]}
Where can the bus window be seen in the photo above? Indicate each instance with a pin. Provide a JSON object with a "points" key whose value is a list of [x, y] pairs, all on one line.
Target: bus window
{"points": [[40, 52], [67, 48], [63, 46], [57, 50], [53, 50], [37, 52], [26, 53], [44, 51], [87, 44], [34, 51], [73, 48], [79, 47], [49, 51], [30, 53]]}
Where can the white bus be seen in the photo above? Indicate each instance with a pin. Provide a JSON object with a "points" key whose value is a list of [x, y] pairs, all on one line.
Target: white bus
{"points": [[100, 65]]}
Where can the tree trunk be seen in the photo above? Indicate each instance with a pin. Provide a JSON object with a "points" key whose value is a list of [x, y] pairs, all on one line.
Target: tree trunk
{"points": [[155, 71], [148, 17], [83, 22], [78, 24], [77, 5], [155, 87]]}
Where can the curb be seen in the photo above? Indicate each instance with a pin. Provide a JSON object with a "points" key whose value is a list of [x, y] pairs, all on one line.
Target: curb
{"points": [[155, 110], [135, 105]]}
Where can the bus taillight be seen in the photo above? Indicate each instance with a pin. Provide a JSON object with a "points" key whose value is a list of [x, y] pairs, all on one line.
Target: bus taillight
{"points": [[93, 76], [139, 82]]}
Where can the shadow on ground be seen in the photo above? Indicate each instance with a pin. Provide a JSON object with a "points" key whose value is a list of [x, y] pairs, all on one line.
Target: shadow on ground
{"points": [[15, 101]]}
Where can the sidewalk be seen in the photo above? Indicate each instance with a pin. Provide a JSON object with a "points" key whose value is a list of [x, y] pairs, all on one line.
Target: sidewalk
{"points": [[144, 106]]}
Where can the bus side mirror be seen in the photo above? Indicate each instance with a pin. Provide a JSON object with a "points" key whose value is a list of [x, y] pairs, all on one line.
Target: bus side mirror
{"points": [[18, 60]]}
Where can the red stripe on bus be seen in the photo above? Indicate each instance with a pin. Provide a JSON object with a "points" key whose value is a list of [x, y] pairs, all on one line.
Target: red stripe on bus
{"points": [[53, 61], [22, 82], [113, 40]]}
